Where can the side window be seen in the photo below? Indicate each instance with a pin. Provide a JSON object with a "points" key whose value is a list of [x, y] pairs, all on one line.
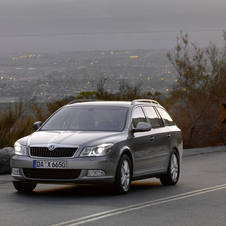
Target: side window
{"points": [[168, 120], [138, 116], [152, 117]]}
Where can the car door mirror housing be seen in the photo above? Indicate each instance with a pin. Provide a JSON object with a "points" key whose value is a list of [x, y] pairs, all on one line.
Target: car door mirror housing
{"points": [[142, 127], [37, 125]]}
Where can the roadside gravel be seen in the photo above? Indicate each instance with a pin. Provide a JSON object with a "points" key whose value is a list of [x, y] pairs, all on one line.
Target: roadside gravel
{"points": [[200, 151]]}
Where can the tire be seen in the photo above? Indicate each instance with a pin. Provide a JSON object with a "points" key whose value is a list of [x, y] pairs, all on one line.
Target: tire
{"points": [[23, 187], [123, 175], [173, 172]]}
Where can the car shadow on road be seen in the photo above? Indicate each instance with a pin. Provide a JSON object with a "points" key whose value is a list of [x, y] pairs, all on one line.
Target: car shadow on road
{"points": [[69, 191]]}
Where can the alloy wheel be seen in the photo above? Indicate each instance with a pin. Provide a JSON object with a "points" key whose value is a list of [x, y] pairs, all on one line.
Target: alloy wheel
{"points": [[174, 167], [125, 175]]}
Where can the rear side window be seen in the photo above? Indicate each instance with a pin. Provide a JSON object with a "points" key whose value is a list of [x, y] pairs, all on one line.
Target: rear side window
{"points": [[138, 116], [168, 120], [152, 117]]}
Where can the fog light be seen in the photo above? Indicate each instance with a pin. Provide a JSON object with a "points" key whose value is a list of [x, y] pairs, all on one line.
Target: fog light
{"points": [[96, 173], [15, 171]]}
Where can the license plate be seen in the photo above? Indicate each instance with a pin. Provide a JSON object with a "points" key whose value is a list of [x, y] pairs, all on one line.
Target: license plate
{"points": [[49, 164]]}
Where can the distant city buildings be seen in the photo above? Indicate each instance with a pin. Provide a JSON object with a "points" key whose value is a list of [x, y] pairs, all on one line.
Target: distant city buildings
{"points": [[55, 75]]}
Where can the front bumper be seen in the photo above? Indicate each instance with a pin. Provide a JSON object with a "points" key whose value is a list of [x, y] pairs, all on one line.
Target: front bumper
{"points": [[75, 173]]}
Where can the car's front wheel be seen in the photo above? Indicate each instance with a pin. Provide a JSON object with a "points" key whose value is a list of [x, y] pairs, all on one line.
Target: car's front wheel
{"points": [[173, 172], [123, 175], [23, 187]]}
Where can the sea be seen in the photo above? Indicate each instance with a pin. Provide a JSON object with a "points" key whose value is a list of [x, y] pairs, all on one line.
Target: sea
{"points": [[105, 41]]}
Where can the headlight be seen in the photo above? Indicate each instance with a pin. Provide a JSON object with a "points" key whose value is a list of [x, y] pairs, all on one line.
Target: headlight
{"points": [[20, 149], [100, 150]]}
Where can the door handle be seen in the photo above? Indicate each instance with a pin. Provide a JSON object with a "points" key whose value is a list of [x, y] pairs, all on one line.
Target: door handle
{"points": [[169, 136], [152, 138]]}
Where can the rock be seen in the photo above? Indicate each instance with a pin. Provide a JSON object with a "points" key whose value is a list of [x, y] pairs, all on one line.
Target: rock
{"points": [[5, 155]]}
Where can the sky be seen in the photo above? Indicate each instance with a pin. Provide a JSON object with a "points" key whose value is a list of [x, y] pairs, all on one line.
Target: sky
{"points": [[64, 25]]}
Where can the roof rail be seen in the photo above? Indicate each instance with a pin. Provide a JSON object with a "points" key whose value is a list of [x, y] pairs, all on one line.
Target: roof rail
{"points": [[145, 100], [83, 100]]}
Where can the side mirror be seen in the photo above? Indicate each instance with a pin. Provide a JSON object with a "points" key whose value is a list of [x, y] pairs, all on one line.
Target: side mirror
{"points": [[37, 125], [142, 127]]}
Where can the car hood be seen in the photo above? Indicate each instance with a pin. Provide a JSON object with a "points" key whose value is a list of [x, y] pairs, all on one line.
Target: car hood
{"points": [[71, 138]]}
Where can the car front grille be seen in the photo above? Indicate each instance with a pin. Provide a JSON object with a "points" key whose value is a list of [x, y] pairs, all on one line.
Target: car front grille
{"points": [[56, 153], [54, 174]]}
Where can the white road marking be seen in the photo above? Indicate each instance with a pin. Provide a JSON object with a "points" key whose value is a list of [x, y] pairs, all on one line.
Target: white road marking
{"points": [[121, 210]]}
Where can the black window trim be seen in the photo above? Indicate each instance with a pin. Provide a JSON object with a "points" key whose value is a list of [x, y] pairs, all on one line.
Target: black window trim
{"points": [[160, 117]]}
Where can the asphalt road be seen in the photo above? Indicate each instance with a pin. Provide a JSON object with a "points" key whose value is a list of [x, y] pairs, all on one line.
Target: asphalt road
{"points": [[199, 198]]}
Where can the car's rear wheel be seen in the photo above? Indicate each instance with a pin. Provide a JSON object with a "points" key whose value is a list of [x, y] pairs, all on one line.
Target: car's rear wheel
{"points": [[24, 187], [173, 172], [123, 175]]}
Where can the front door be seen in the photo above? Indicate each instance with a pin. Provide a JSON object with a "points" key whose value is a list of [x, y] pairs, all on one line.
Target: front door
{"points": [[143, 146]]}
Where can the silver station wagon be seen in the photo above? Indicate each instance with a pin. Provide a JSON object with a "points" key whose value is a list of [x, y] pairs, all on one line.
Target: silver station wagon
{"points": [[100, 142]]}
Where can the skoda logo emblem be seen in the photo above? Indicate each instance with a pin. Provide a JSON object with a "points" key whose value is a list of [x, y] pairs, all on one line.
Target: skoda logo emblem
{"points": [[51, 147]]}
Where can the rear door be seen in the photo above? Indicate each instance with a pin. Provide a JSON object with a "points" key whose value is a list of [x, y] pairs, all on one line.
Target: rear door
{"points": [[162, 154]]}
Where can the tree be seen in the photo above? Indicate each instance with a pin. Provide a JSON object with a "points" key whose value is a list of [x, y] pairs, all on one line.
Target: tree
{"points": [[199, 90], [14, 123]]}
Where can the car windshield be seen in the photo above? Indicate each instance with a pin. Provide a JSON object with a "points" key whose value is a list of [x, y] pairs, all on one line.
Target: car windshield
{"points": [[88, 119]]}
